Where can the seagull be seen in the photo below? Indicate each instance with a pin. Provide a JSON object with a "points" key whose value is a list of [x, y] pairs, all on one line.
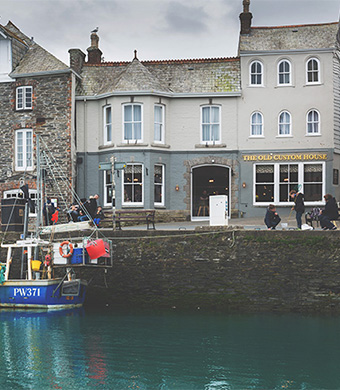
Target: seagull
{"points": [[95, 30]]}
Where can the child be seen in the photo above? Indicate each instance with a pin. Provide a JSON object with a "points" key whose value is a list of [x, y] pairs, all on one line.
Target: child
{"points": [[98, 216], [272, 218]]}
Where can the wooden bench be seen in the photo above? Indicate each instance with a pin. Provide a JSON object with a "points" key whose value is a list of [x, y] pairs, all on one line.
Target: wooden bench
{"points": [[147, 216]]}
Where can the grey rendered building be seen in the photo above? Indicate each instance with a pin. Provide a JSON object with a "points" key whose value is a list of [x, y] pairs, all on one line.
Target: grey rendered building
{"points": [[252, 127]]}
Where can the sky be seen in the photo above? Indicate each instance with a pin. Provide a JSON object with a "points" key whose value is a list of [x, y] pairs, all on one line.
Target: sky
{"points": [[157, 29]]}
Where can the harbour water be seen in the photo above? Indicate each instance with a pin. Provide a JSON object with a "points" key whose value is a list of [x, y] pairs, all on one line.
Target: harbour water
{"points": [[120, 350]]}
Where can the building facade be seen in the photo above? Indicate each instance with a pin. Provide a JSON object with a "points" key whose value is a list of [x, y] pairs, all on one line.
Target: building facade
{"points": [[36, 98], [252, 127]]}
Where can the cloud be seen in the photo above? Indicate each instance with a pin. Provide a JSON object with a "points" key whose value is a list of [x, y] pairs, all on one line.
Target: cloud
{"points": [[184, 19]]}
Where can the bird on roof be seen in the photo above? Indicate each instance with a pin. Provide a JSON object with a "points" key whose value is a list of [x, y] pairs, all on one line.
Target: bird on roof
{"points": [[95, 30]]}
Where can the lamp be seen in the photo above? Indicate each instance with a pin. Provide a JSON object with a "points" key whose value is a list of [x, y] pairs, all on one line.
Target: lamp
{"points": [[244, 185], [177, 187]]}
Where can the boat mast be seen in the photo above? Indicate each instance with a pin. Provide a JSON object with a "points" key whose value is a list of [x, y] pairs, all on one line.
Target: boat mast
{"points": [[39, 190]]}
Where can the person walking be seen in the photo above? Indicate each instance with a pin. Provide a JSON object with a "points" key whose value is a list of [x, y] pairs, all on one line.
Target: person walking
{"points": [[299, 206]]}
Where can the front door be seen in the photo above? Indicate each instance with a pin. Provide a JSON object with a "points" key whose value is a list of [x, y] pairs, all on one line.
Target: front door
{"points": [[206, 181]]}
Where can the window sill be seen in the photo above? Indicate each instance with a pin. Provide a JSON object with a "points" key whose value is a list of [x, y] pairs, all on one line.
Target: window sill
{"points": [[285, 86], [255, 86], [134, 144], [217, 146], [313, 135], [156, 145], [312, 84], [132, 205], [159, 207], [107, 146], [284, 136], [256, 136]]}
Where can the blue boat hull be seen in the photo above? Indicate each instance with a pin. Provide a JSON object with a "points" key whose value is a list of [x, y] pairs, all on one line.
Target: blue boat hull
{"points": [[50, 294]]}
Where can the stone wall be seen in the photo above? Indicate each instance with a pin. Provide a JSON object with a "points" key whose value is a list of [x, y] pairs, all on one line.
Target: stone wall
{"points": [[222, 269]]}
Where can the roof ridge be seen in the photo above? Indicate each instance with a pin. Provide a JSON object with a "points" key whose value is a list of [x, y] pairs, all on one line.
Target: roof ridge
{"points": [[178, 61], [294, 25]]}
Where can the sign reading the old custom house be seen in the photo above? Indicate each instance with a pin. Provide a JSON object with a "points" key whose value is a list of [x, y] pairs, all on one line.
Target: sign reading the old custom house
{"points": [[285, 157]]}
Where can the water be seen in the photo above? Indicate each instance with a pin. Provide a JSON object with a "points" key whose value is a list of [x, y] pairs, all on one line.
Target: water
{"points": [[168, 350]]}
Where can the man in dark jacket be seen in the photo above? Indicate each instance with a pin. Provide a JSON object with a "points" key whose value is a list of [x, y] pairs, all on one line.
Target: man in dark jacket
{"points": [[299, 206], [329, 213], [272, 218]]}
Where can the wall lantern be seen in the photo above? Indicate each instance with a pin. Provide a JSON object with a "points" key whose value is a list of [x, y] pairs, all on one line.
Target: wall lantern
{"points": [[177, 187], [244, 185]]}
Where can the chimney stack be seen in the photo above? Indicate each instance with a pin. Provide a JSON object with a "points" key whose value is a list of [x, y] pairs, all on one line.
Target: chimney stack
{"points": [[245, 18], [77, 59], [94, 54]]}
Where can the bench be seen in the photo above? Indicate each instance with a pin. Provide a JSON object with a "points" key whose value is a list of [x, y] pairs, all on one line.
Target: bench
{"points": [[147, 216]]}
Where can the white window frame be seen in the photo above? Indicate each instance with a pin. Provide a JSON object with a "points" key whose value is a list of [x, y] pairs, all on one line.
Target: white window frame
{"points": [[133, 139], [313, 123], [160, 124], [133, 204], [17, 193], [252, 124], [256, 74], [25, 105], [25, 166], [284, 73], [318, 71], [106, 202], [210, 124], [285, 123], [300, 183], [162, 185], [107, 125]]}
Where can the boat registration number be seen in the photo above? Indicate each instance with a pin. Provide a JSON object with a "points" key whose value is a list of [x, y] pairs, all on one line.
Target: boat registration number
{"points": [[26, 292]]}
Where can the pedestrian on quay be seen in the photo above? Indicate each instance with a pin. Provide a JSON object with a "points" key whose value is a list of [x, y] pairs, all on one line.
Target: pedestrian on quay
{"points": [[329, 213], [272, 218], [99, 216], [299, 206]]}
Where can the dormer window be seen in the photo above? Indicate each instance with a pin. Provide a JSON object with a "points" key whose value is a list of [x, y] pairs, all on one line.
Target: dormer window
{"points": [[24, 98]]}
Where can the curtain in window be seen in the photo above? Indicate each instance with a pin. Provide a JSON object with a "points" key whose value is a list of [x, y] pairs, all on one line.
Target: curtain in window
{"points": [[158, 122], [284, 123], [313, 122], [256, 124]]}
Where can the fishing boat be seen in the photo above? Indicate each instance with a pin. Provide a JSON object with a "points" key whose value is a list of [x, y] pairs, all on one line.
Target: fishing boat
{"points": [[35, 258]]}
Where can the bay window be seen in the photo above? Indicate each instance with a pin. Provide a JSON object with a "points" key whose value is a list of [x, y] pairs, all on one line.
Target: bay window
{"points": [[133, 179], [132, 122]]}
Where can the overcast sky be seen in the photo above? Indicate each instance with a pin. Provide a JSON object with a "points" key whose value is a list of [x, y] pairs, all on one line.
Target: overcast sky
{"points": [[158, 29]]}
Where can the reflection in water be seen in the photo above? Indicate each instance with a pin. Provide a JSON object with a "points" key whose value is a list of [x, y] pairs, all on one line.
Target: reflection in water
{"points": [[77, 350]]}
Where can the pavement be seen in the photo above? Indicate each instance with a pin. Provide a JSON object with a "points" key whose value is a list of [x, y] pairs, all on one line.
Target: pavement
{"points": [[251, 223]]}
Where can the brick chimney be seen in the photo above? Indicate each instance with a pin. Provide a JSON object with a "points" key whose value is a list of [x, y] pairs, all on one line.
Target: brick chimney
{"points": [[245, 18], [94, 54], [77, 59]]}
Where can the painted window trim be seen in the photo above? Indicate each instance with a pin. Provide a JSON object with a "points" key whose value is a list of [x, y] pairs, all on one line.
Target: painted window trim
{"points": [[219, 123], [300, 183], [106, 203], [250, 74], [161, 204], [318, 71], [162, 141], [251, 125], [290, 73], [25, 167], [290, 134], [133, 140], [319, 124], [105, 125], [24, 88], [134, 204]]}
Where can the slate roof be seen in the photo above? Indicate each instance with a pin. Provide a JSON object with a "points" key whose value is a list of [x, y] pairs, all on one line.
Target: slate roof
{"points": [[36, 59], [300, 37], [170, 76]]}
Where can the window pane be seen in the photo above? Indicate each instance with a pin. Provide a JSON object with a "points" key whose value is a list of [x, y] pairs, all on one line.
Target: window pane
{"points": [[137, 113], [215, 114], [313, 192], [158, 114], [264, 173], [158, 132], [28, 97], [128, 113], [265, 193], [128, 131], [206, 114], [312, 173], [206, 133], [158, 194], [137, 131], [215, 130]]}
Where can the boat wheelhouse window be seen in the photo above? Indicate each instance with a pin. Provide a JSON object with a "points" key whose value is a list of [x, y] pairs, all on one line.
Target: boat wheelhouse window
{"points": [[17, 193], [70, 288]]}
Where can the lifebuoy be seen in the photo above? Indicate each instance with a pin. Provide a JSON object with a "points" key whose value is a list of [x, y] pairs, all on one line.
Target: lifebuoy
{"points": [[70, 249]]}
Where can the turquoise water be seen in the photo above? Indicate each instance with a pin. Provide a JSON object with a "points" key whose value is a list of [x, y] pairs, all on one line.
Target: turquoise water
{"points": [[168, 350]]}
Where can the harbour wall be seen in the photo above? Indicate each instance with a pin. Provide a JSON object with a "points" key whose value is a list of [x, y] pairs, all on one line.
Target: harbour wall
{"points": [[220, 269], [236, 270]]}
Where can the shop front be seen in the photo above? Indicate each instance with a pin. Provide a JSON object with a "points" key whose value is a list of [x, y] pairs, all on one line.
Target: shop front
{"points": [[269, 177]]}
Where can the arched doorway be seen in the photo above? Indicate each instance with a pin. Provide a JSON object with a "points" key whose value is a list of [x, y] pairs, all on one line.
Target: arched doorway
{"points": [[207, 180]]}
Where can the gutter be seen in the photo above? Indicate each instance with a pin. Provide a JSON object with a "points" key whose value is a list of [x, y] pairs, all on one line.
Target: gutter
{"points": [[44, 73], [245, 53], [162, 94]]}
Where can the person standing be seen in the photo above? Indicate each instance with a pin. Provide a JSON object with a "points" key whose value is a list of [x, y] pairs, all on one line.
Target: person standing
{"points": [[299, 206]]}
